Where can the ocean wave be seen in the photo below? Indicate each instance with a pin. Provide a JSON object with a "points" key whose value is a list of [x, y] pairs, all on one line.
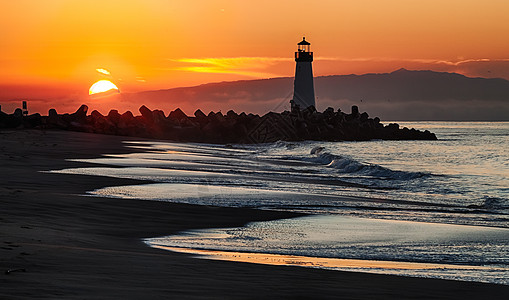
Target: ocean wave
{"points": [[347, 164], [492, 203], [272, 147], [281, 144]]}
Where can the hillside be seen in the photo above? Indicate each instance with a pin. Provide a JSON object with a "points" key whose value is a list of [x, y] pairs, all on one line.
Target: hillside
{"points": [[400, 95]]}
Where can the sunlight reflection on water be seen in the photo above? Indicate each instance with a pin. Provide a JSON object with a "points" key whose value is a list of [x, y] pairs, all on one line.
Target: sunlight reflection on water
{"points": [[469, 253]]}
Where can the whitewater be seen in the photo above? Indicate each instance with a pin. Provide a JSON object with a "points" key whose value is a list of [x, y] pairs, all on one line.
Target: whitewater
{"points": [[443, 205]]}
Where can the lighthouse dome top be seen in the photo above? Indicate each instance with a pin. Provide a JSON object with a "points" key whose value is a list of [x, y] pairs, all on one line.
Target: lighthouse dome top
{"points": [[304, 42]]}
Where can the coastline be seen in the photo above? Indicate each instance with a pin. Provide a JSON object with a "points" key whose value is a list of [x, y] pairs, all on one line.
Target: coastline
{"points": [[75, 246]]}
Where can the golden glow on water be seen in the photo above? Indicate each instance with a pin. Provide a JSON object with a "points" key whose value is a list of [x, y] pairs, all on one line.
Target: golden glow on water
{"points": [[315, 262]]}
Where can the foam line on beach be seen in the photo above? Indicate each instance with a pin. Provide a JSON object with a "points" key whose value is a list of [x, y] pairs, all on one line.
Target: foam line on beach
{"points": [[399, 268], [472, 253], [318, 262]]}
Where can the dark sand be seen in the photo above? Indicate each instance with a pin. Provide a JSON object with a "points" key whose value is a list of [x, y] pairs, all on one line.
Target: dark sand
{"points": [[82, 247]]}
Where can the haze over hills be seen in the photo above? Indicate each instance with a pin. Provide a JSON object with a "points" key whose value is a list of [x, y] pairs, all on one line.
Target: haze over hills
{"points": [[400, 95]]}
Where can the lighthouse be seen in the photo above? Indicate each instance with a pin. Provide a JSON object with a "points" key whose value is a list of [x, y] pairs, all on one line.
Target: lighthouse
{"points": [[303, 88]]}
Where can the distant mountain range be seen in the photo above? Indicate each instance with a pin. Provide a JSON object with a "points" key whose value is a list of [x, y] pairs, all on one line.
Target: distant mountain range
{"points": [[400, 95]]}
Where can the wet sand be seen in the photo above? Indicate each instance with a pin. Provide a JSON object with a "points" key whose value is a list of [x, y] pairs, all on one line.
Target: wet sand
{"points": [[84, 247]]}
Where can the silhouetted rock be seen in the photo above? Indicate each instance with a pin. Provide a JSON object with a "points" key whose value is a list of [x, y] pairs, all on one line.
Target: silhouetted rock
{"points": [[100, 123], [146, 113], [308, 111], [54, 120], [158, 116], [128, 116], [329, 113], [3, 119], [178, 116], [2, 114], [15, 120], [80, 115], [309, 124], [95, 114], [231, 114], [114, 116], [32, 121], [200, 115], [392, 126], [18, 113], [217, 117], [355, 110]]}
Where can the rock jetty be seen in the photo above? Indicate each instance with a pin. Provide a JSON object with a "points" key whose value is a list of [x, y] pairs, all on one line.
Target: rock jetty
{"points": [[216, 127]]}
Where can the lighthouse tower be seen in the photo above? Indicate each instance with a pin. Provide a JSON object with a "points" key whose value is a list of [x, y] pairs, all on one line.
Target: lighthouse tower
{"points": [[303, 88]]}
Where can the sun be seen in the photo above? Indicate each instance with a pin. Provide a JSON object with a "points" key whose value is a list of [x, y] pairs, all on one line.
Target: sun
{"points": [[102, 86]]}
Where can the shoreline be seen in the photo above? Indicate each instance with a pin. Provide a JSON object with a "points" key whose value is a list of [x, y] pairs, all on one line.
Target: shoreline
{"points": [[339, 264], [75, 246]]}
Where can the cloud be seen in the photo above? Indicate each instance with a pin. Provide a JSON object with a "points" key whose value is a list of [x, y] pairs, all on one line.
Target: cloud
{"points": [[256, 67], [270, 67], [413, 60], [473, 67], [103, 71]]}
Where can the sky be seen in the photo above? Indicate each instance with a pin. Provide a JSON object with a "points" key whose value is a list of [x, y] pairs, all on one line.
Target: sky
{"points": [[52, 49]]}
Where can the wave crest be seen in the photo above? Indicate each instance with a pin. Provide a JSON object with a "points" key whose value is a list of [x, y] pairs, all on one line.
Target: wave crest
{"points": [[346, 164]]}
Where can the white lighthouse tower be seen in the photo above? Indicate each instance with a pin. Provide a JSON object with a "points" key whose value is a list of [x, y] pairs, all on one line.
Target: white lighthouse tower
{"points": [[303, 88]]}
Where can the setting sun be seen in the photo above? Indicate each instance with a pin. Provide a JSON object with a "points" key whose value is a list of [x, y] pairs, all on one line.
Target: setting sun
{"points": [[102, 86]]}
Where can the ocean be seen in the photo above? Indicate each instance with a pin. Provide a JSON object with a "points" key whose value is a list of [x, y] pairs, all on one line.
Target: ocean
{"points": [[437, 209]]}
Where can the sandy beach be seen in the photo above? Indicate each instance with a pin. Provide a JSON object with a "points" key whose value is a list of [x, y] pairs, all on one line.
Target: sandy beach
{"points": [[63, 245]]}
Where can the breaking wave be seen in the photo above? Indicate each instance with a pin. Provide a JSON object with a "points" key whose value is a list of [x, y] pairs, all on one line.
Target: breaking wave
{"points": [[345, 164], [493, 203]]}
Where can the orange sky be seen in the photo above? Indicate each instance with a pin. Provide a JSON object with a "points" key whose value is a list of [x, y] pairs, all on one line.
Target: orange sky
{"points": [[155, 44]]}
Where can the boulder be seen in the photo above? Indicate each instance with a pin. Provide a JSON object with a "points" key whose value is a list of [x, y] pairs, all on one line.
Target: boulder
{"points": [[355, 110], [231, 114], [126, 124], [178, 115], [158, 116], [114, 116], [95, 115], [218, 117], [127, 116], [80, 115], [146, 113], [52, 113], [200, 115], [54, 120], [18, 113], [32, 121]]}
